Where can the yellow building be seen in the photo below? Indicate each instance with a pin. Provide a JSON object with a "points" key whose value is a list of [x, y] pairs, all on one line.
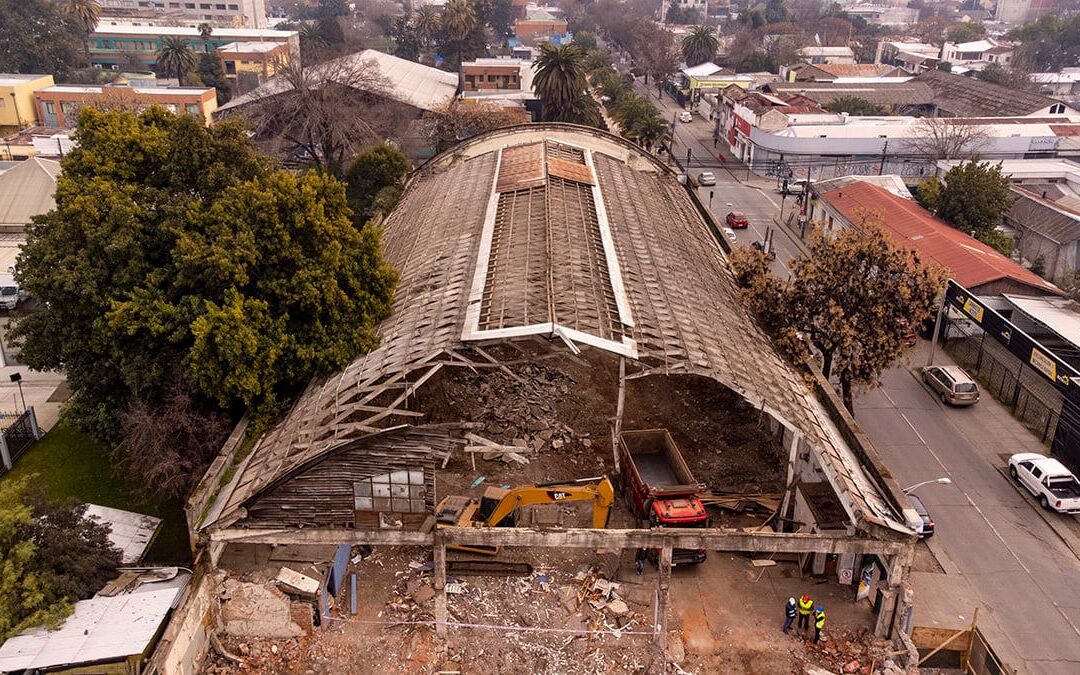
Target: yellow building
{"points": [[255, 61], [17, 109]]}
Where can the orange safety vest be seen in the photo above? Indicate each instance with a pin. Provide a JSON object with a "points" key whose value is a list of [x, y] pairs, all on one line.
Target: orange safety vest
{"points": [[805, 607]]}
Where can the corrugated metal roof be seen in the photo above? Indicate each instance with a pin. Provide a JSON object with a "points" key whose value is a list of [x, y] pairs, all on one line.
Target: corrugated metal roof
{"points": [[27, 190], [1060, 315], [409, 82], [130, 532], [1057, 223], [971, 97], [639, 240], [969, 261], [99, 630]]}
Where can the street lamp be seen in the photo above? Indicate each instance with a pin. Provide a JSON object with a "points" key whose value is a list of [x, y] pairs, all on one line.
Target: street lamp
{"points": [[17, 379], [940, 481]]}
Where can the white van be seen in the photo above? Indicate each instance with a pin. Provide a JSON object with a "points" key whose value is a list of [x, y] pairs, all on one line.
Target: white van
{"points": [[10, 294]]}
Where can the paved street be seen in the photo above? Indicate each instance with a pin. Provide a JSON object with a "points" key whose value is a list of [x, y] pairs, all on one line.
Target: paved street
{"points": [[993, 546], [991, 540]]}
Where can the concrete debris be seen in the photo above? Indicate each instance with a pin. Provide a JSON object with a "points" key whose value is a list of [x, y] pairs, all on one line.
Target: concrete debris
{"points": [[257, 610], [292, 581]]}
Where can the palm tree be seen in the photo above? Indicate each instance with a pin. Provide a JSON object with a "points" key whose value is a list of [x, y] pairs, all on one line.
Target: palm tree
{"points": [[700, 45], [651, 132], [312, 41], [175, 57], [560, 80], [426, 23], [458, 19], [86, 14], [205, 31]]}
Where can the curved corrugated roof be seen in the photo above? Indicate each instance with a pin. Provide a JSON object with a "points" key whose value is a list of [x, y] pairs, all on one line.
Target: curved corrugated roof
{"points": [[565, 234]]}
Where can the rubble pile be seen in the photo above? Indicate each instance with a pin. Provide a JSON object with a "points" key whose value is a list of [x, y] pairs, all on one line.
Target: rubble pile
{"points": [[849, 652], [518, 410]]}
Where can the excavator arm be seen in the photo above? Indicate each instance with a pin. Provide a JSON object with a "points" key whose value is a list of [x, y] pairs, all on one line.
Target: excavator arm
{"points": [[600, 493]]}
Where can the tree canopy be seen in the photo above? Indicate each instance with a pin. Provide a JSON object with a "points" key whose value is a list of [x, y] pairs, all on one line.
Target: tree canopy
{"points": [[853, 105], [852, 298], [177, 254], [700, 45], [38, 36], [1050, 42], [50, 556], [561, 85], [974, 197], [374, 181]]}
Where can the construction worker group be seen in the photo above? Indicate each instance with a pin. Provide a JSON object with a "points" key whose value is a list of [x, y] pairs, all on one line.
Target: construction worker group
{"points": [[803, 609]]}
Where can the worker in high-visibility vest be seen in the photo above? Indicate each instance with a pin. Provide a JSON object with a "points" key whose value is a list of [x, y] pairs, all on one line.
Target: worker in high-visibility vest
{"points": [[806, 605], [819, 622]]}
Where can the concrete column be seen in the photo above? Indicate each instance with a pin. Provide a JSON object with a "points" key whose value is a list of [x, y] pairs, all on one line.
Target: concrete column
{"points": [[439, 583], [4, 453], [662, 598], [34, 424], [883, 625]]}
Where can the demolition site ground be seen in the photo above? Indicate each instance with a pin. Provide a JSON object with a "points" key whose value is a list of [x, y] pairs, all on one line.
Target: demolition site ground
{"points": [[579, 611]]}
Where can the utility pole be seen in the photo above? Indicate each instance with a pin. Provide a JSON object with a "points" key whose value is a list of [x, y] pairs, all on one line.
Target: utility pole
{"points": [[884, 150]]}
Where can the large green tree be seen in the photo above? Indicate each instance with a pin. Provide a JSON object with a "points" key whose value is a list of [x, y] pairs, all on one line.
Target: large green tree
{"points": [[700, 45], [850, 298], [374, 181], [38, 36], [458, 21], [50, 557], [176, 254], [1049, 43], [974, 197]]}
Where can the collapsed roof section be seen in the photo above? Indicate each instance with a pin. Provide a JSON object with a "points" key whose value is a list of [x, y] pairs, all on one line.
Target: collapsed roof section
{"points": [[565, 235]]}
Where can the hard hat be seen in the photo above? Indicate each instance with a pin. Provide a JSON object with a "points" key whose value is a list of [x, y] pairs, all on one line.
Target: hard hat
{"points": [[791, 600], [821, 608], [806, 597]]}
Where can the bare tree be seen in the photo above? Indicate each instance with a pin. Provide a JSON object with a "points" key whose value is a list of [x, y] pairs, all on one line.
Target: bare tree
{"points": [[323, 115], [455, 121], [167, 446], [946, 138]]}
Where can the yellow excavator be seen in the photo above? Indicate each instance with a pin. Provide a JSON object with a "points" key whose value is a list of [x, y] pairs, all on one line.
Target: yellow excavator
{"points": [[497, 505]]}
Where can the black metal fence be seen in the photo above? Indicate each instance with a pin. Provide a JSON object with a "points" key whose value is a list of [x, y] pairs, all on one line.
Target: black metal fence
{"points": [[1030, 397], [18, 433]]}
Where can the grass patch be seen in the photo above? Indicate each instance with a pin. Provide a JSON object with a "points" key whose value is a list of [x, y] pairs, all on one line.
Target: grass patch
{"points": [[69, 463]]}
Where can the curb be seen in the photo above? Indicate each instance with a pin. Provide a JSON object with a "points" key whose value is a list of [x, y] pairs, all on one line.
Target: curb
{"points": [[1055, 524]]}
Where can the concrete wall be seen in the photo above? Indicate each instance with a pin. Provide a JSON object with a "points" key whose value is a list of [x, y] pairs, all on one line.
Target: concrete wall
{"points": [[183, 646]]}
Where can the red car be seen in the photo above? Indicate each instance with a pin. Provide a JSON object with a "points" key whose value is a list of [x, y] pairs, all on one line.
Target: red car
{"points": [[737, 220]]}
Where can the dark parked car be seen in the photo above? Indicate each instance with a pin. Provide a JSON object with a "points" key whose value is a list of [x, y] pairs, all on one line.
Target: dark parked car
{"points": [[927, 529]]}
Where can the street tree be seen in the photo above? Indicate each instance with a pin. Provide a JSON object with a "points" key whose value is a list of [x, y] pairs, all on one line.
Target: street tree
{"points": [[700, 45], [177, 255], [86, 14], [849, 299], [213, 75], [38, 36], [175, 58], [455, 121], [639, 121], [1014, 76], [974, 198], [946, 138], [853, 105], [1049, 42]]}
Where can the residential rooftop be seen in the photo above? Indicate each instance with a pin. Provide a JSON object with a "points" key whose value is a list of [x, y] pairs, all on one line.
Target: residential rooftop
{"points": [[191, 31]]}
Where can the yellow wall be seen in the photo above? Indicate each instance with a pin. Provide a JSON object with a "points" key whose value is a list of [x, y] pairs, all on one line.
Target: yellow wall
{"points": [[23, 100]]}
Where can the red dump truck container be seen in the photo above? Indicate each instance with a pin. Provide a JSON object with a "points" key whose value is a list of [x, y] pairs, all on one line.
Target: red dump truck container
{"points": [[659, 487]]}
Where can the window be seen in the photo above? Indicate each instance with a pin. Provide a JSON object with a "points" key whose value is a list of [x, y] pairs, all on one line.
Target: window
{"points": [[1037, 472], [3, 103], [204, 6], [189, 5], [234, 8], [1057, 109], [192, 108], [397, 492], [50, 107], [219, 6]]}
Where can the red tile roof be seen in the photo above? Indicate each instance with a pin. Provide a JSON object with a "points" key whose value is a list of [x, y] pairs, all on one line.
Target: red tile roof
{"points": [[969, 261]]}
